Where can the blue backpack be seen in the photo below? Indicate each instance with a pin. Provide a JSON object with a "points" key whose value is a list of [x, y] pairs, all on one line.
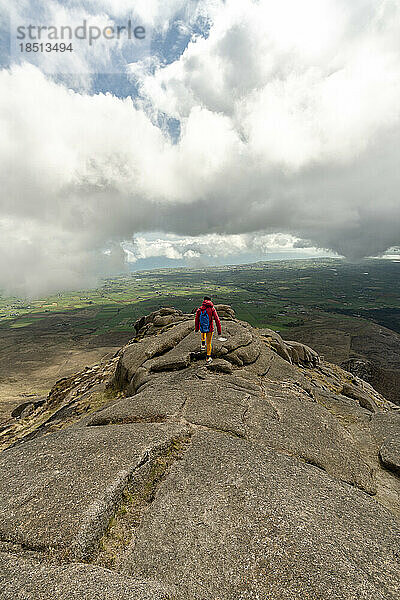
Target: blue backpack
{"points": [[204, 321]]}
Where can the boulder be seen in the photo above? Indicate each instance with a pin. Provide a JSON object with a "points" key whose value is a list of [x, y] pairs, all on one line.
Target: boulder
{"points": [[149, 324], [154, 403], [25, 579], [302, 355], [364, 399], [293, 352], [220, 365], [58, 492], [135, 354], [225, 311]]}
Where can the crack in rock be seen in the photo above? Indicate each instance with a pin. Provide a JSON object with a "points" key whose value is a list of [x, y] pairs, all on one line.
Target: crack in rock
{"points": [[137, 496], [129, 420]]}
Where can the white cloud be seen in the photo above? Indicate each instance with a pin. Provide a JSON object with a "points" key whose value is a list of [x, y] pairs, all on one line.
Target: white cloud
{"points": [[289, 119], [211, 246], [39, 259]]}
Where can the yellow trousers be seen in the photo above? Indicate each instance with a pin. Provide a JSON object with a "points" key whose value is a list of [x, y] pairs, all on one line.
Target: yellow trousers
{"points": [[208, 338]]}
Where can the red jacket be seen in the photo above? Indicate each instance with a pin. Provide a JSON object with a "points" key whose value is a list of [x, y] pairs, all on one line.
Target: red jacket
{"points": [[212, 315]]}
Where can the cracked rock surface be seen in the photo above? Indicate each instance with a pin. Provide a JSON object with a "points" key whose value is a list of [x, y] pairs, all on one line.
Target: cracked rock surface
{"points": [[28, 579], [249, 519], [65, 485], [266, 474]]}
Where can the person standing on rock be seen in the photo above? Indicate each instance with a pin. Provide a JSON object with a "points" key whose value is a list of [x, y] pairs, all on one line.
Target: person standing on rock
{"points": [[204, 322]]}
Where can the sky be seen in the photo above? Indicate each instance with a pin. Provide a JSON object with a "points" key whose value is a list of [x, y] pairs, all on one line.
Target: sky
{"points": [[235, 131]]}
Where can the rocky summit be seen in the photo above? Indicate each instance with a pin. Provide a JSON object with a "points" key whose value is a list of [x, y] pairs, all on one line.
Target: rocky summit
{"points": [[268, 474]]}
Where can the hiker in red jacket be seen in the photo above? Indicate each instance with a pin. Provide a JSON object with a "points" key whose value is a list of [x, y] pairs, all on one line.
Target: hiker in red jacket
{"points": [[205, 315]]}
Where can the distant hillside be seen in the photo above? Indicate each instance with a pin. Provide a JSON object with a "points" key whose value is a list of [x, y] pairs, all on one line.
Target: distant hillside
{"points": [[366, 349]]}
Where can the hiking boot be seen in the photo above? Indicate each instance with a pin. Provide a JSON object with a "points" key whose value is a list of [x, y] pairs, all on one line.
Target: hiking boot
{"points": [[208, 360], [203, 345]]}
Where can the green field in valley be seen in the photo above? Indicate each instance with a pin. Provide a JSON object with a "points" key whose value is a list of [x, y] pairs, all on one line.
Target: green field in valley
{"points": [[279, 295]]}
